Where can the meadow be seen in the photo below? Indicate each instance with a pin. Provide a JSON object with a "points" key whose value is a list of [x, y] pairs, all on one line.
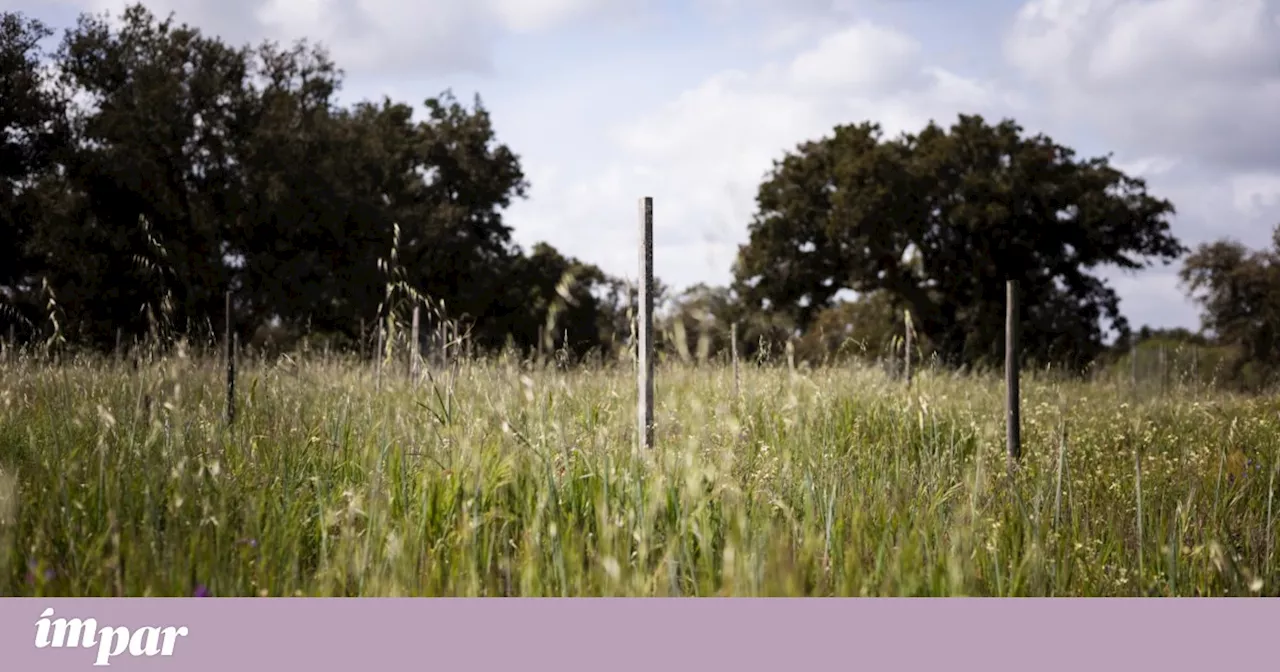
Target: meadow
{"points": [[499, 478]]}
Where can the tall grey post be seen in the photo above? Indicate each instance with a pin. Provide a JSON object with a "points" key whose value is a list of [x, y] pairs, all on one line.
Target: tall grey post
{"points": [[379, 355], [644, 350], [1013, 422], [413, 347], [230, 340], [733, 354], [907, 346]]}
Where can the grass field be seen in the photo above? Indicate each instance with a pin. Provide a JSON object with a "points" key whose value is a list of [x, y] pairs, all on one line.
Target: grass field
{"points": [[502, 481]]}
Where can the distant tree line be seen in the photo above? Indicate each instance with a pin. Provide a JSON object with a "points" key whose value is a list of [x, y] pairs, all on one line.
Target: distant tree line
{"points": [[146, 169], [1238, 290]]}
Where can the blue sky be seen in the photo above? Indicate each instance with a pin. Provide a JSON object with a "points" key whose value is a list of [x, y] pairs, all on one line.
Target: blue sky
{"points": [[689, 102]]}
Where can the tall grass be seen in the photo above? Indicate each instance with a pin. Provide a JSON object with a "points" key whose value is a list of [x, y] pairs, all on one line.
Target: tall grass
{"points": [[506, 479]]}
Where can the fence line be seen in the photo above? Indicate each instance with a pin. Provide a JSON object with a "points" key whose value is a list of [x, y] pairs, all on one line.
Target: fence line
{"points": [[733, 354], [378, 357], [230, 339], [644, 351], [906, 356], [413, 346], [449, 339], [1013, 421]]}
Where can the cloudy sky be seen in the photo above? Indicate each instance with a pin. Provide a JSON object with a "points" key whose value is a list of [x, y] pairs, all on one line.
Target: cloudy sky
{"points": [[689, 101]]}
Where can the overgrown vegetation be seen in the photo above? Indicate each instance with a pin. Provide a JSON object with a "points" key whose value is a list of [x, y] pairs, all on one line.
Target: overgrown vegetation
{"points": [[502, 478], [148, 170]]}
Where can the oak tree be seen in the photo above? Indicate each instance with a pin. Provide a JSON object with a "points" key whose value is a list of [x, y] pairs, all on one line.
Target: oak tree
{"points": [[939, 220]]}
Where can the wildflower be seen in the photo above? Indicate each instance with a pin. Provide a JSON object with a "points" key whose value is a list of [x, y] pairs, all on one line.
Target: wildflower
{"points": [[201, 591], [32, 572]]}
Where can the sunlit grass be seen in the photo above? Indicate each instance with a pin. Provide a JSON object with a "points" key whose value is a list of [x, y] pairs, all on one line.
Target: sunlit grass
{"points": [[498, 480]]}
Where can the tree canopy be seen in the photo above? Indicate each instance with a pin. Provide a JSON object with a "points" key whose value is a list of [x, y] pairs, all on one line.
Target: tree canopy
{"points": [[1238, 290], [146, 169], [939, 220], [32, 131]]}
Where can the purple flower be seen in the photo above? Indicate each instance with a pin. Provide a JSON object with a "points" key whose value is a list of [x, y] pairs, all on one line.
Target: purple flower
{"points": [[202, 591], [251, 543], [32, 566]]}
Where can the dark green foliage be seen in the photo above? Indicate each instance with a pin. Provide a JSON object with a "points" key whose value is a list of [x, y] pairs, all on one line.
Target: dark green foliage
{"points": [[1239, 292], [193, 168], [940, 220], [32, 132], [188, 167]]}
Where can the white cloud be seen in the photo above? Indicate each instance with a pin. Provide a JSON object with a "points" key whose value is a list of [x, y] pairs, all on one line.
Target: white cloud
{"points": [[794, 8], [1154, 298], [1147, 165], [1200, 78], [863, 57], [523, 16], [1256, 194], [386, 37], [702, 154], [1186, 93]]}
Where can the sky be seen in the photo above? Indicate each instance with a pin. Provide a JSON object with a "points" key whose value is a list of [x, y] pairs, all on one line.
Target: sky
{"points": [[690, 102]]}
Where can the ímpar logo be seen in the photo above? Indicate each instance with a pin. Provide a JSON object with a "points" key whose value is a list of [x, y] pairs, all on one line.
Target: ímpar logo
{"points": [[111, 641]]}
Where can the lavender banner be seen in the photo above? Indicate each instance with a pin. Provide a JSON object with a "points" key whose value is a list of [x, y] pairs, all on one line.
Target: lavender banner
{"points": [[249, 634]]}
